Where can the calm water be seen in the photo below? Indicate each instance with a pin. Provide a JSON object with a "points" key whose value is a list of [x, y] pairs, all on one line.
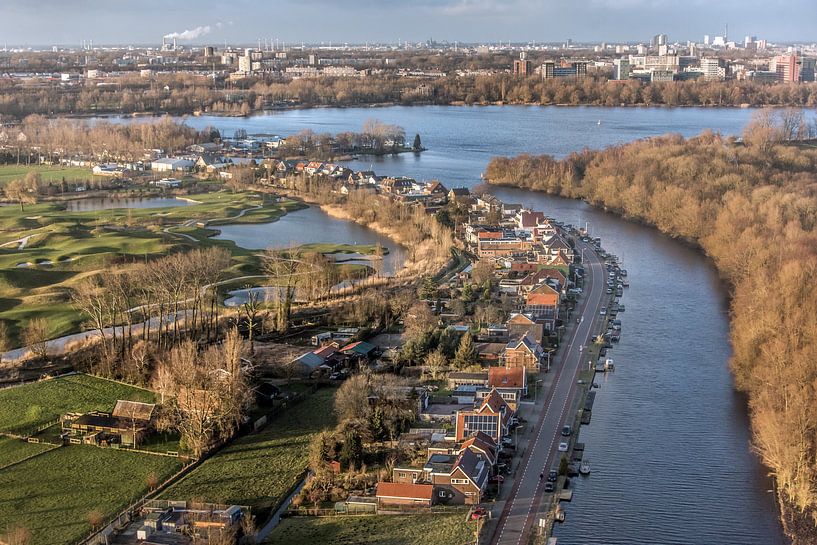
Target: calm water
{"points": [[105, 203], [312, 225], [669, 441], [461, 140]]}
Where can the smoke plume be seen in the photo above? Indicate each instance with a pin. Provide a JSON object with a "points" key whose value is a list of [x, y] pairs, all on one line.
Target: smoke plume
{"points": [[191, 34]]}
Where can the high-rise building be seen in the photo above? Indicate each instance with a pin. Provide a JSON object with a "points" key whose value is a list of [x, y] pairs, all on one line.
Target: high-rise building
{"points": [[565, 69], [713, 69], [706, 39], [245, 62], [621, 69], [522, 66], [787, 68], [808, 69]]}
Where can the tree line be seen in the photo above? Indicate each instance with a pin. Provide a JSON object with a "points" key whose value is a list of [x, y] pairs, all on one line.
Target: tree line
{"points": [[183, 94], [750, 205]]}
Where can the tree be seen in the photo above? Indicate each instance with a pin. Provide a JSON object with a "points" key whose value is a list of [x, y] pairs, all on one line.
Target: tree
{"points": [[418, 145], [35, 336], [18, 190], [436, 362], [5, 340], [467, 354], [419, 321], [351, 451]]}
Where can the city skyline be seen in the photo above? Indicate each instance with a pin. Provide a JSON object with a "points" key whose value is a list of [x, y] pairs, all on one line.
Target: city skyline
{"points": [[361, 21]]}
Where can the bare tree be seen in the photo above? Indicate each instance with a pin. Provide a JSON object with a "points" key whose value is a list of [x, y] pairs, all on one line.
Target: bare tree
{"points": [[35, 336]]}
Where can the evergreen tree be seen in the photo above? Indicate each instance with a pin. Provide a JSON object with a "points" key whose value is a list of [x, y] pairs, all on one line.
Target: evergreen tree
{"points": [[467, 353], [417, 144]]}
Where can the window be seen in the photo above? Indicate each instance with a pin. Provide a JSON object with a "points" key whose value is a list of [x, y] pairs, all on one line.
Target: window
{"points": [[459, 481], [469, 494], [402, 475], [441, 494]]}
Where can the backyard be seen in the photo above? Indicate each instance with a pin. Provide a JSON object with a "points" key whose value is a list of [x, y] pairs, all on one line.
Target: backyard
{"points": [[258, 469], [428, 529]]}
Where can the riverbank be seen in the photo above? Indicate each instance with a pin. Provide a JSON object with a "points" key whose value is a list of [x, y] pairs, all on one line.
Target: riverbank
{"points": [[727, 223]]}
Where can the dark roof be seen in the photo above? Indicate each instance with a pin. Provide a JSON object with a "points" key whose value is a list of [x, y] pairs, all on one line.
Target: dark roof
{"points": [[104, 421]]}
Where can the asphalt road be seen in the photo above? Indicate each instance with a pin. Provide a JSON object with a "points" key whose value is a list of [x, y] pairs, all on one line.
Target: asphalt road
{"points": [[522, 508]]}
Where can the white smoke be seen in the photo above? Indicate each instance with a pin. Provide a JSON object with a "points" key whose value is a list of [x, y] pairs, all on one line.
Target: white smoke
{"points": [[191, 34]]}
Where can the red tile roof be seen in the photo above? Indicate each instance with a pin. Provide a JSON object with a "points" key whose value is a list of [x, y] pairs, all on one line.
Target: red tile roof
{"points": [[405, 491], [500, 377]]}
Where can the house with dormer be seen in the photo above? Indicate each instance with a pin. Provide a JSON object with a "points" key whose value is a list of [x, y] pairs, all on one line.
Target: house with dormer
{"points": [[492, 416]]}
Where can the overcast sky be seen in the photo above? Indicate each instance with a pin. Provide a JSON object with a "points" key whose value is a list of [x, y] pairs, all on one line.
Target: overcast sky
{"points": [[47, 22]]}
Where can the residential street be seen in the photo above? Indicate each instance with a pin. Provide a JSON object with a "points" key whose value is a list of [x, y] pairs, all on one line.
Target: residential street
{"points": [[521, 509]]}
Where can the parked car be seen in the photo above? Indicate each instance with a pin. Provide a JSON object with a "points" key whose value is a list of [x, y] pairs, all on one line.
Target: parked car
{"points": [[499, 479], [479, 513], [566, 431], [553, 475], [603, 311], [506, 441], [562, 447], [549, 487]]}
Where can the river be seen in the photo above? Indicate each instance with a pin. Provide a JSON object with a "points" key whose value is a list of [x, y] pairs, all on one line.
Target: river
{"points": [[669, 442]]}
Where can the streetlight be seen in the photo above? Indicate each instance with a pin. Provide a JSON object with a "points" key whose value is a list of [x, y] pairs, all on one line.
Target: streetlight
{"points": [[536, 389]]}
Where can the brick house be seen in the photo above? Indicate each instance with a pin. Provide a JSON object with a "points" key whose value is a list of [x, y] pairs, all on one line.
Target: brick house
{"points": [[402, 494], [523, 352], [492, 416]]}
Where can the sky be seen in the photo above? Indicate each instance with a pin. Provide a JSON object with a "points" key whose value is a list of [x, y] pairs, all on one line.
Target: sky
{"points": [[54, 22]]}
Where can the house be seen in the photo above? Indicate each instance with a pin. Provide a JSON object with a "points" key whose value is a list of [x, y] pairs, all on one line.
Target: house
{"points": [[524, 325], [542, 303], [167, 183], [108, 169], [523, 352], [127, 425], [527, 220], [172, 164], [437, 192], [460, 378], [490, 353], [483, 446], [360, 349], [511, 384], [460, 195], [458, 479], [492, 417], [404, 494]]}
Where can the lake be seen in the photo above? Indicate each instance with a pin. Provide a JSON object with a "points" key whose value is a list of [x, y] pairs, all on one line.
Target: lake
{"points": [[107, 203], [312, 225]]}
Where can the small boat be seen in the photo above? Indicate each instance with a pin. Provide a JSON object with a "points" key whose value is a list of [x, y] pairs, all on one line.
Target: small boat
{"points": [[584, 469], [599, 123], [621, 308]]}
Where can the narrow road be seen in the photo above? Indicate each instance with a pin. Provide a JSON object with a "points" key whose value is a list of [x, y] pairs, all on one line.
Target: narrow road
{"points": [[522, 509]]}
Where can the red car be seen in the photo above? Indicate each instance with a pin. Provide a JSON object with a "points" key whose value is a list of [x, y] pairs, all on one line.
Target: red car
{"points": [[478, 513], [497, 479]]}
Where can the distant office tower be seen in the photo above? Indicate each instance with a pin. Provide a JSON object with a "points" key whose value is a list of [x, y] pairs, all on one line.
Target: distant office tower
{"points": [[808, 69], [658, 40], [713, 69], [663, 50], [787, 68], [209, 51], [522, 66], [565, 69], [245, 63], [706, 39], [621, 69]]}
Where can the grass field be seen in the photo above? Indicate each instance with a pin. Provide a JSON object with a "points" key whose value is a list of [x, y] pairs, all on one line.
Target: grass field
{"points": [[63, 247], [14, 450], [258, 469], [48, 173], [52, 494], [25, 407], [436, 529]]}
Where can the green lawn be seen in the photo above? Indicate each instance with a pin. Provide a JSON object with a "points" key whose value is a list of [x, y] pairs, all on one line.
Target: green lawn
{"points": [[52, 494], [49, 173], [426, 529], [258, 469], [25, 407], [63, 247], [14, 450]]}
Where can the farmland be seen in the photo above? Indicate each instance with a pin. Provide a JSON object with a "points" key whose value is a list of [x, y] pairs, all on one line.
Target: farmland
{"points": [[25, 407], [437, 529], [258, 469], [54, 493]]}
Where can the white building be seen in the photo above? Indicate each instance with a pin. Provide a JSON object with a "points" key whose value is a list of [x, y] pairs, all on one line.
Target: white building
{"points": [[172, 164]]}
